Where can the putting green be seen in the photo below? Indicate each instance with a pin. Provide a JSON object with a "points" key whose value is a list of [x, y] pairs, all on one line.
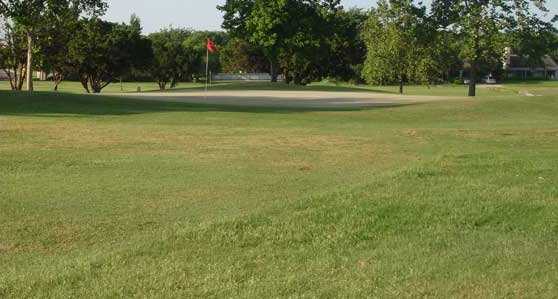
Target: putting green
{"points": [[287, 98]]}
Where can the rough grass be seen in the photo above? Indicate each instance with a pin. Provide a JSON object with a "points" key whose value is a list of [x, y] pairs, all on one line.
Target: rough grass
{"points": [[103, 197]]}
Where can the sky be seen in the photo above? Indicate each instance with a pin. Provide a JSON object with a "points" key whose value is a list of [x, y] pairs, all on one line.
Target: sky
{"points": [[195, 14]]}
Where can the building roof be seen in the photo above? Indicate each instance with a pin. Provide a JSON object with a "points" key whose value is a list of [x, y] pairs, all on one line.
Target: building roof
{"points": [[516, 62]]}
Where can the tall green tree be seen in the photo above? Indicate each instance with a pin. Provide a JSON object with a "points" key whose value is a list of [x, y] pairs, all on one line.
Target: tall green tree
{"points": [[52, 42], [480, 24], [304, 51], [103, 51], [272, 26], [268, 28], [346, 50], [32, 15], [398, 36], [170, 61]]}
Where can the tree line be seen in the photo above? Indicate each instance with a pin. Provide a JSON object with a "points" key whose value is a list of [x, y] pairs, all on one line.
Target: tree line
{"points": [[396, 42]]}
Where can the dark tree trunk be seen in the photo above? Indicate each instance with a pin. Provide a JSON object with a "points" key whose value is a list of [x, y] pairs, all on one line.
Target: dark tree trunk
{"points": [[288, 77], [162, 85], [21, 77], [96, 86], [297, 80], [57, 77], [273, 72], [401, 86], [15, 76], [473, 81], [10, 78], [84, 79]]}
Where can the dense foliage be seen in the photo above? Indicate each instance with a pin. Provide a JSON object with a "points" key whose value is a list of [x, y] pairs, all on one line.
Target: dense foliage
{"points": [[103, 51]]}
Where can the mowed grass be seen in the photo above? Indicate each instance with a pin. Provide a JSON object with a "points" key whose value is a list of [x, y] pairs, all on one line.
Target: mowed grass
{"points": [[116, 87], [106, 197]]}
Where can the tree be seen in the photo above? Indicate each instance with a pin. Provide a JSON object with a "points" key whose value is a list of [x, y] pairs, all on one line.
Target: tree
{"points": [[554, 52], [268, 28], [531, 37], [305, 39], [263, 23], [240, 56], [13, 52], [31, 15], [303, 50], [323, 40], [346, 50], [479, 25], [53, 40], [102, 51], [170, 63], [397, 35]]}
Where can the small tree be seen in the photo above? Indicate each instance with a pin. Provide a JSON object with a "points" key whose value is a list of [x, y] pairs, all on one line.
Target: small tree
{"points": [[397, 35], [13, 52]]}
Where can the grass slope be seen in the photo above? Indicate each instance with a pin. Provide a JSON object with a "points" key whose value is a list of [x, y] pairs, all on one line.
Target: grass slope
{"points": [[103, 197]]}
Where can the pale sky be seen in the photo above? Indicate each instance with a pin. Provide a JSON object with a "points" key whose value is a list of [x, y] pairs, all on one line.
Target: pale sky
{"points": [[195, 14]]}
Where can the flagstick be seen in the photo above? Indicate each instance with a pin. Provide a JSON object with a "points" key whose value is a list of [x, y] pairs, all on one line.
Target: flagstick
{"points": [[206, 71]]}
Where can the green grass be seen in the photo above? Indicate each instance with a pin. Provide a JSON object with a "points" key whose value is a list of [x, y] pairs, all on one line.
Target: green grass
{"points": [[75, 87], [106, 197]]}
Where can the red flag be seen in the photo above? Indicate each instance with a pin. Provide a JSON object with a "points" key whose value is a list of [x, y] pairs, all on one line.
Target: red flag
{"points": [[211, 47]]}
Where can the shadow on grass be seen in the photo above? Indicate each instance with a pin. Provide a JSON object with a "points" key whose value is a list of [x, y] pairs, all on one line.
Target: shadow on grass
{"points": [[47, 104]]}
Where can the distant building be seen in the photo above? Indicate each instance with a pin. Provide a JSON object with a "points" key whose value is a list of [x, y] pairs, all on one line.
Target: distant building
{"points": [[4, 75], [41, 75], [245, 77], [518, 67]]}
